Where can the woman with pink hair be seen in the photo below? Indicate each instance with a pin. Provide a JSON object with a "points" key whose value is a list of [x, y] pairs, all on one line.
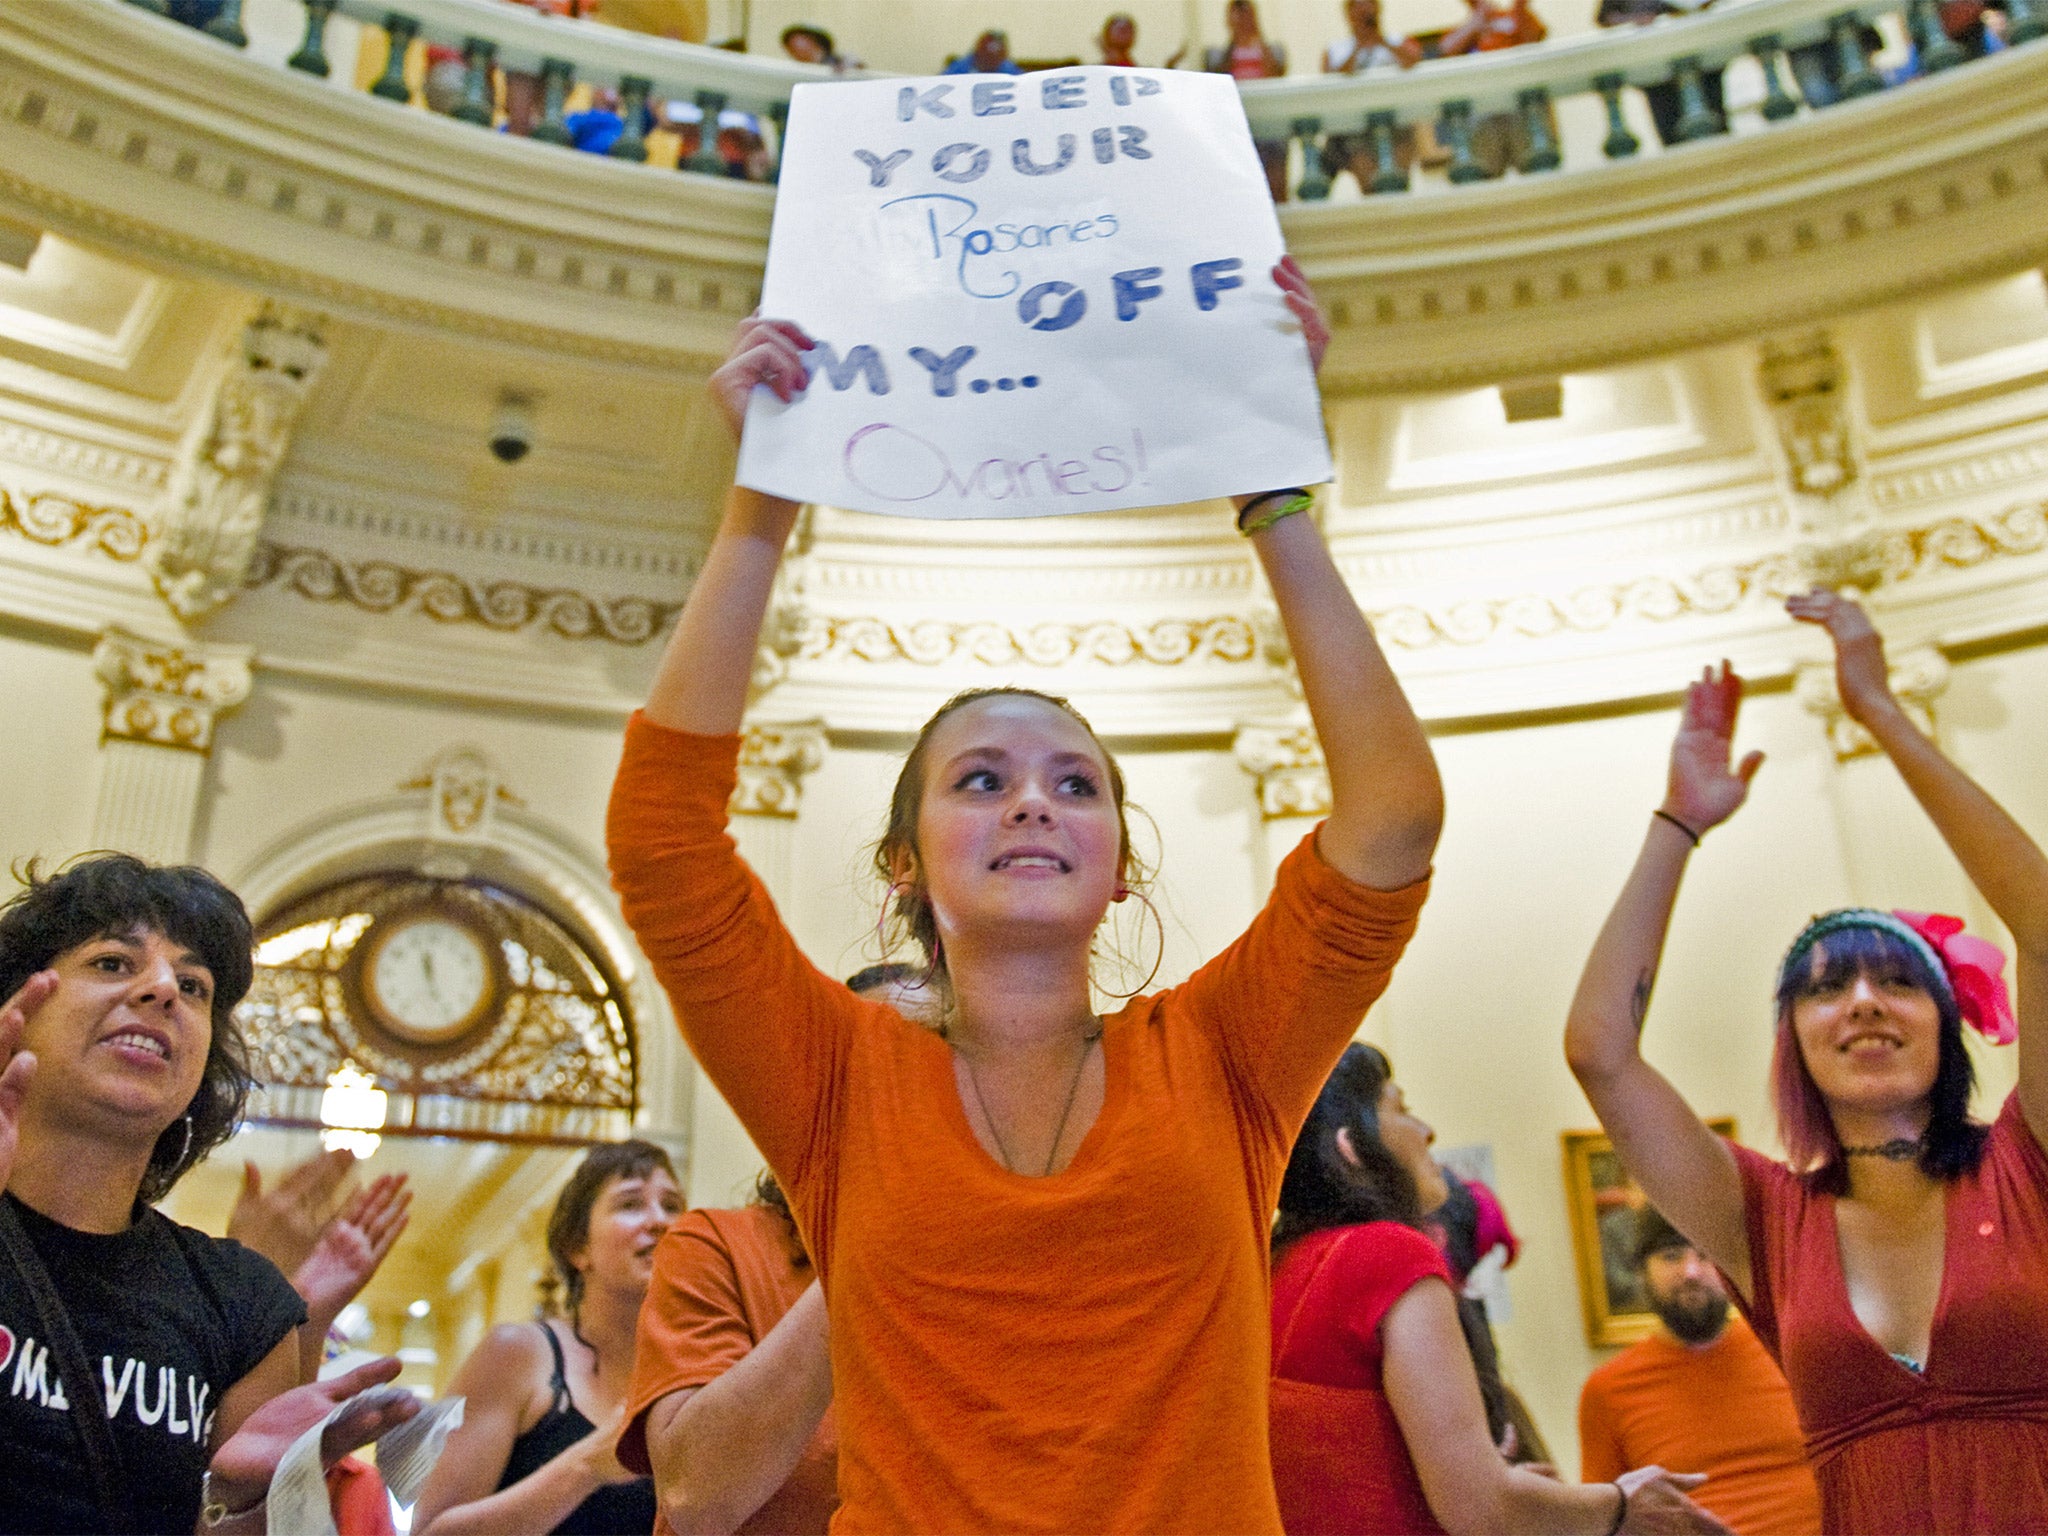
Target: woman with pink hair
{"points": [[1897, 1264]]}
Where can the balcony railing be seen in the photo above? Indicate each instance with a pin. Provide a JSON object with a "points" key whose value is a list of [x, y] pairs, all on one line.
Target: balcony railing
{"points": [[1480, 115]]}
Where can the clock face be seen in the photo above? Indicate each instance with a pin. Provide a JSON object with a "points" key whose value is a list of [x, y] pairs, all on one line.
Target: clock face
{"points": [[429, 979]]}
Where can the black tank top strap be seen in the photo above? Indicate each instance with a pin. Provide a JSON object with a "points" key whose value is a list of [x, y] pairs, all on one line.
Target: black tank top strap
{"points": [[561, 1402]]}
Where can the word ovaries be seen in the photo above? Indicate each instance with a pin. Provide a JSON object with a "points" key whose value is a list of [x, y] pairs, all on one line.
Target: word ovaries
{"points": [[896, 464]]}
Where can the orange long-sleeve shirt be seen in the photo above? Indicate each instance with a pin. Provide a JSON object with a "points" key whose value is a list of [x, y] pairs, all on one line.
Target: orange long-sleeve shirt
{"points": [[1085, 1352]]}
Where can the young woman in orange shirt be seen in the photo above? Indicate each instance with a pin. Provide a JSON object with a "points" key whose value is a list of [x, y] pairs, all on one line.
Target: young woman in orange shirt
{"points": [[1041, 1231]]}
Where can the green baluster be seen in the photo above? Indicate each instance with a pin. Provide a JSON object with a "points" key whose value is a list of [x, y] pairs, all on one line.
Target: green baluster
{"points": [[2025, 21], [1387, 175], [1778, 103], [1937, 50], [706, 162], [1619, 143], [557, 76], [633, 91], [1315, 181], [312, 55], [1455, 130], [778, 114], [1845, 32], [227, 25], [401, 30], [1543, 153], [1696, 119], [478, 55]]}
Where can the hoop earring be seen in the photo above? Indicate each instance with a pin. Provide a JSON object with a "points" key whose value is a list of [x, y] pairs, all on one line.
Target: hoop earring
{"points": [[882, 945], [1159, 923]]}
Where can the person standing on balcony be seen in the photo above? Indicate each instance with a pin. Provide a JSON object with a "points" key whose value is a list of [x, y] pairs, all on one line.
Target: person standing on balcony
{"points": [[990, 55], [1666, 107], [1500, 139], [1248, 56], [1364, 51], [1897, 1264], [1041, 1233]]}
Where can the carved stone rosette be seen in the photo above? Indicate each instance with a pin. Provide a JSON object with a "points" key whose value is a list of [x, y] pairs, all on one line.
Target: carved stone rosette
{"points": [[220, 489], [773, 761], [1919, 676], [1286, 761], [167, 695]]}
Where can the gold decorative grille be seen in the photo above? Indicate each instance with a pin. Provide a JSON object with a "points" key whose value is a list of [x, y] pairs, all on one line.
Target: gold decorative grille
{"points": [[547, 1055]]}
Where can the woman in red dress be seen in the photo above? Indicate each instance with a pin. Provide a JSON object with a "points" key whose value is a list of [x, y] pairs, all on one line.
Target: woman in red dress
{"points": [[1898, 1265], [1377, 1423]]}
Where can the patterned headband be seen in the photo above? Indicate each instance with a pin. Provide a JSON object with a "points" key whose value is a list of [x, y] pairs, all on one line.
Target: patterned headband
{"points": [[1971, 970]]}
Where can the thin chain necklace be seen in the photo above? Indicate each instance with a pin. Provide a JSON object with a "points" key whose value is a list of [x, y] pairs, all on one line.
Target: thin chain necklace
{"points": [[1060, 1130]]}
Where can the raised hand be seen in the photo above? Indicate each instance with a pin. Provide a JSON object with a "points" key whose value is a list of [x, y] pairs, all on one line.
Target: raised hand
{"points": [[244, 1465], [1860, 671], [351, 1246], [766, 352], [1704, 790], [1315, 325], [19, 1065], [1657, 1505], [284, 1222]]}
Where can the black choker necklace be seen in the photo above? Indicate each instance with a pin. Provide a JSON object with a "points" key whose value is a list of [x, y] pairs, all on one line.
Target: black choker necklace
{"points": [[1900, 1149]]}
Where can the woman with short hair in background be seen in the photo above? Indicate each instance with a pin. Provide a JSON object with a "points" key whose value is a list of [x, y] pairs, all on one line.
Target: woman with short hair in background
{"points": [[545, 1400]]}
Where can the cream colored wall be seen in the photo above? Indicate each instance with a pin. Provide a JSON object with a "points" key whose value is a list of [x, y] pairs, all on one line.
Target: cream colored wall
{"points": [[52, 704]]}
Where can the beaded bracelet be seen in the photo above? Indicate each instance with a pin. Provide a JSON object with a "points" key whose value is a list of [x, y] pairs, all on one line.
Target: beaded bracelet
{"points": [[1268, 507]]}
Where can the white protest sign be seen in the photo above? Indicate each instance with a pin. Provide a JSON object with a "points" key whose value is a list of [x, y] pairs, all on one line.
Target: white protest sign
{"points": [[1031, 295]]}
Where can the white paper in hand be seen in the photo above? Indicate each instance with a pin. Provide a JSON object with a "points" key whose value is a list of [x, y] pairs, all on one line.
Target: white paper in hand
{"points": [[297, 1504], [1031, 295]]}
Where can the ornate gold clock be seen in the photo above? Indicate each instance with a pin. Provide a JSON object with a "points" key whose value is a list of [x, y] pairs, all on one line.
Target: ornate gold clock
{"points": [[429, 975]]}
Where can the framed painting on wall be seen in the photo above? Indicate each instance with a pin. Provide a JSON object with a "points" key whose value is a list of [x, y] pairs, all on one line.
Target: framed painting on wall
{"points": [[1603, 1201]]}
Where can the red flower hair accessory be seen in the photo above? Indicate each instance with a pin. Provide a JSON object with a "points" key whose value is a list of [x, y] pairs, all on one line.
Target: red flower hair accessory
{"points": [[1976, 970]]}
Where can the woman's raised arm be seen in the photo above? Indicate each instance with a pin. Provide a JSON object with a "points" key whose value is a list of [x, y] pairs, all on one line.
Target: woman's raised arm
{"points": [[701, 685], [1685, 1169], [2007, 866], [1386, 800]]}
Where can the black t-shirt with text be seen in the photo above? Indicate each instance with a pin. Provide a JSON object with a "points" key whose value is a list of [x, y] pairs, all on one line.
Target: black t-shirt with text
{"points": [[172, 1318]]}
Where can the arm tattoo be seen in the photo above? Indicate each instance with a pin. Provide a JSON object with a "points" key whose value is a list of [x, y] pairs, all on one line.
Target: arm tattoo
{"points": [[1639, 1000]]}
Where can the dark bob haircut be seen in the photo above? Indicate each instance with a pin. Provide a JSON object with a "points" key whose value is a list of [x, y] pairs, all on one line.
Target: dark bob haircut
{"points": [[1954, 1143], [569, 1224], [1324, 1188], [115, 895]]}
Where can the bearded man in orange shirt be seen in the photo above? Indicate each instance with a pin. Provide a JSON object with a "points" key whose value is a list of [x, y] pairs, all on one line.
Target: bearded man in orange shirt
{"points": [[1699, 1395]]}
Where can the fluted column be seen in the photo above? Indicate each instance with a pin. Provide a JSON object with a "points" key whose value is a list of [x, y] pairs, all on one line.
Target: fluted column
{"points": [[162, 703], [1292, 782]]}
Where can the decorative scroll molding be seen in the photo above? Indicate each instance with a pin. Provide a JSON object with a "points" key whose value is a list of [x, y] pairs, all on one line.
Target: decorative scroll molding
{"points": [[1958, 543], [377, 586], [57, 521], [221, 487], [167, 695], [806, 636], [1287, 763], [1918, 677], [773, 761]]}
